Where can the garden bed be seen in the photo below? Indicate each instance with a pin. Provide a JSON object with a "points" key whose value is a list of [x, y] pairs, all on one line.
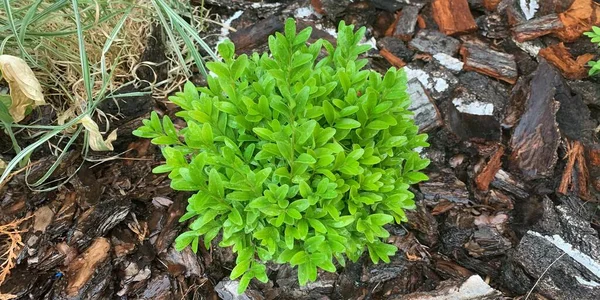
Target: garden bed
{"points": [[510, 210]]}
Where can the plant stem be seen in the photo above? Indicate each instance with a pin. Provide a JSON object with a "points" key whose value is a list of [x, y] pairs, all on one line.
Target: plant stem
{"points": [[13, 139]]}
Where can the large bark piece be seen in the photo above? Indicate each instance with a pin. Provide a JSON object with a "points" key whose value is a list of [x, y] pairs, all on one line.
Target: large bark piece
{"points": [[537, 27], [472, 120], [486, 90], [453, 16], [478, 106], [536, 137], [573, 117], [478, 57], [567, 243]]}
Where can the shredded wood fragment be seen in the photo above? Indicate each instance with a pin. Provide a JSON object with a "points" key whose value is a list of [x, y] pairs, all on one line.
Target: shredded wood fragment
{"points": [[392, 59], [575, 158], [572, 68], [10, 245]]}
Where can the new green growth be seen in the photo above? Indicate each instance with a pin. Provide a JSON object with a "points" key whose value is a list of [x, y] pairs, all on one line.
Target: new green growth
{"points": [[294, 159], [595, 36]]}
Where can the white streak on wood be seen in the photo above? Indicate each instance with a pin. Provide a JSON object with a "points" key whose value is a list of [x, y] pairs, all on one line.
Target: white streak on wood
{"points": [[474, 108], [529, 8], [580, 257], [451, 63]]}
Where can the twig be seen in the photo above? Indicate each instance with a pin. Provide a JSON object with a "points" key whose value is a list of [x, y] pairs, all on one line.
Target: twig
{"points": [[543, 273]]}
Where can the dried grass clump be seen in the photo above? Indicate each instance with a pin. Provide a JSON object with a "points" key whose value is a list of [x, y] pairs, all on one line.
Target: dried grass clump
{"points": [[84, 51], [50, 38]]}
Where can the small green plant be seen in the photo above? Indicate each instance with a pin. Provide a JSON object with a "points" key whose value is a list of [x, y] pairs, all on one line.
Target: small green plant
{"points": [[595, 36], [294, 159]]}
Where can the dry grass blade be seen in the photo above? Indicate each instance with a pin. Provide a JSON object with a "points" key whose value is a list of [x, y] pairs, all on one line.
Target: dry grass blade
{"points": [[11, 244]]}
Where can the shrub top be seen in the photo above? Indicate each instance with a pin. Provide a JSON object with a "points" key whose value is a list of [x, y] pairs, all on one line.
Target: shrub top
{"points": [[294, 159]]}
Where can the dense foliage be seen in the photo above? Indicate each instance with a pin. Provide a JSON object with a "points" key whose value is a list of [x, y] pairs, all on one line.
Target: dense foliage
{"points": [[595, 36], [294, 159]]}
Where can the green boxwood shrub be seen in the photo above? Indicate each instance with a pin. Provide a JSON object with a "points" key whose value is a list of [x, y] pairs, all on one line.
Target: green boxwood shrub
{"points": [[294, 159]]}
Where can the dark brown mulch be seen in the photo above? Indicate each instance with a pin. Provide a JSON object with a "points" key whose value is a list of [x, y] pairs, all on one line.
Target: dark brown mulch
{"points": [[510, 208]]}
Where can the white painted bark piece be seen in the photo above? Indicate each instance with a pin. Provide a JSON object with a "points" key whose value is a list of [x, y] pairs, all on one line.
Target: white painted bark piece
{"points": [[451, 63]]}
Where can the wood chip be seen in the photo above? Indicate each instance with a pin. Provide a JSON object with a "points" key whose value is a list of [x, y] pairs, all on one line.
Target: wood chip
{"points": [[491, 5], [493, 26], [453, 16], [83, 267], [443, 185], [575, 161], [405, 26], [426, 114], [579, 18], [559, 56], [247, 39], [396, 47], [421, 22], [392, 59], [43, 218], [478, 57], [488, 173], [318, 6], [433, 42], [508, 183], [592, 154], [537, 27]]}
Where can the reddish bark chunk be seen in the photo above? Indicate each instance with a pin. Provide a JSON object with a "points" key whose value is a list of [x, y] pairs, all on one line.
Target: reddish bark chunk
{"points": [[453, 16]]}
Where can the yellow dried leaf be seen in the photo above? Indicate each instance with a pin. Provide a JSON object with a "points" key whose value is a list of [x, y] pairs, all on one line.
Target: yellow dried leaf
{"points": [[2, 165], [96, 142], [25, 89]]}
